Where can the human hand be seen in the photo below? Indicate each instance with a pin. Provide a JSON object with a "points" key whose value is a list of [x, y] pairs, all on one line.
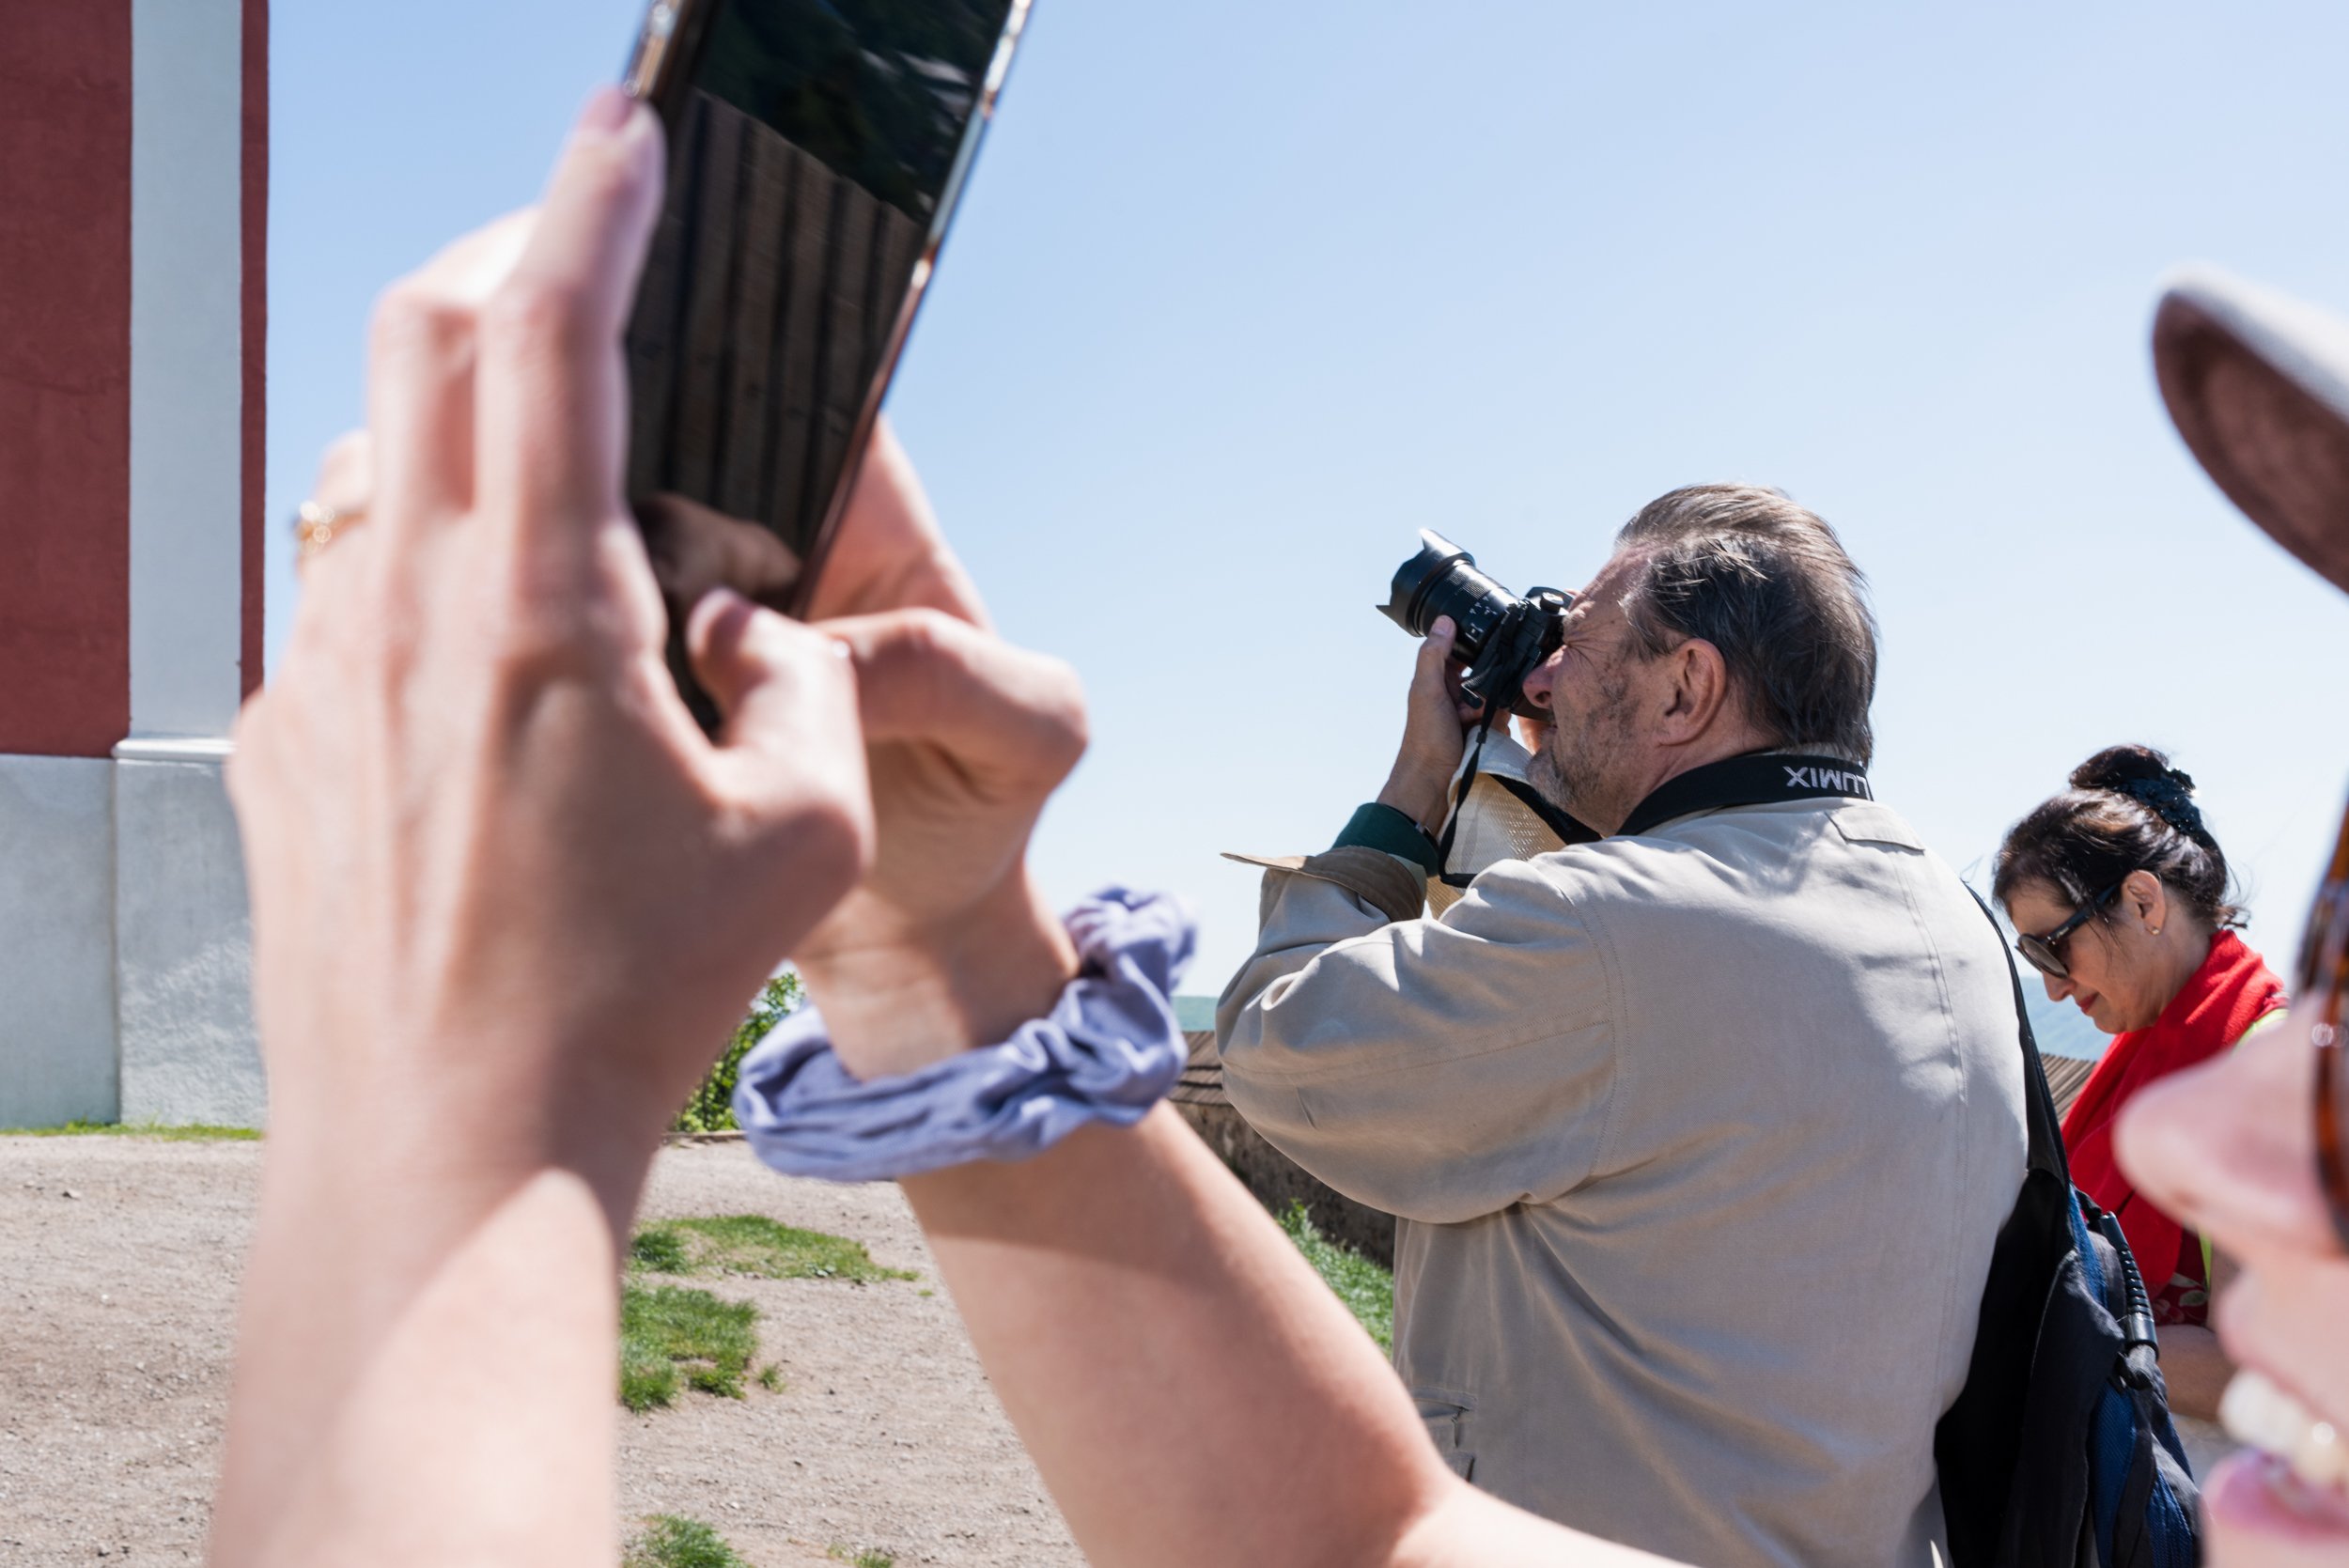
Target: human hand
{"points": [[947, 943], [1433, 732], [505, 892]]}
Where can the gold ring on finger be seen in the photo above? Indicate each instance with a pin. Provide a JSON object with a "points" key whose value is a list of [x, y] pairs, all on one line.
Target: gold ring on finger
{"points": [[316, 526]]}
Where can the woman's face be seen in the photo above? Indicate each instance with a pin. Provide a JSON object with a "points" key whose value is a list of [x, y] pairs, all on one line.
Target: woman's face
{"points": [[2227, 1149], [2115, 979]]}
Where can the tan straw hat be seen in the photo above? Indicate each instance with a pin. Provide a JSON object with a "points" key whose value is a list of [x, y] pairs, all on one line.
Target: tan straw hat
{"points": [[2258, 383]]}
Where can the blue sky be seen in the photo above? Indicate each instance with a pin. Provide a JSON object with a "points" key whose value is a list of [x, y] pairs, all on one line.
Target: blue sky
{"points": [[1241, 295]]}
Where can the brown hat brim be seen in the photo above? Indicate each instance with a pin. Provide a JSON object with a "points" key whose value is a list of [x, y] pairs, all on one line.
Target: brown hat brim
{"points": [[2257, 384]]}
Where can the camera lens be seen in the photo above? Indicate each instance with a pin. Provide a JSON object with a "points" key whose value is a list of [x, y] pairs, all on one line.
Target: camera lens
{"points": [[1442, 579]]}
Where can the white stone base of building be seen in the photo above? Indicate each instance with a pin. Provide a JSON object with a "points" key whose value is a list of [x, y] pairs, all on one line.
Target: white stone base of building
{"points": [[125, 945]]}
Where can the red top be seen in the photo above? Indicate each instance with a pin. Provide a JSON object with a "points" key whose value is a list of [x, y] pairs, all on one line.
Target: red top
{"points": [[2232, 991]]}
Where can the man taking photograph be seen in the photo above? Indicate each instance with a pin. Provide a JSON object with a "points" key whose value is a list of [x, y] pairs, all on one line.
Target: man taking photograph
{"points": [[1698, 1136]]}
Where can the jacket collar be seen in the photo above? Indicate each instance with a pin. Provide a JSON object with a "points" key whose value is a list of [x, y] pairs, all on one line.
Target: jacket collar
{"points": [[1754, 779]]}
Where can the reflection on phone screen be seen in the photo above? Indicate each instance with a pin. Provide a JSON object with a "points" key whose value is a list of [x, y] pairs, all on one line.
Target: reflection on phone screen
{"points": [[812, 148]]}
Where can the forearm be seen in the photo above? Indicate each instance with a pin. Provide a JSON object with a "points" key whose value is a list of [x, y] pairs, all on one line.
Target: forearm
{"points": [[425, 1358], [1190, 1391], [1304, 916]]}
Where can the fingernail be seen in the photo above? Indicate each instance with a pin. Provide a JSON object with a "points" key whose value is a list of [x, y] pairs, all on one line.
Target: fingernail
{"points": [[607, 111]]}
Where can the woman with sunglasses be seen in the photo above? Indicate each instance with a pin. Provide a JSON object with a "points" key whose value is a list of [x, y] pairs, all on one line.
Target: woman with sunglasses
{"points": [[2120, 893]]}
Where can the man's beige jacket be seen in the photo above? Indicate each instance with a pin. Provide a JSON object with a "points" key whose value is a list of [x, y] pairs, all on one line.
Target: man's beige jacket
{"points": [[1698, 1141]]}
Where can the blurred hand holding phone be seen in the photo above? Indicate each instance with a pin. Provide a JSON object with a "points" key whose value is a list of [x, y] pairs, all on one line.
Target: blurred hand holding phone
{"points": [[817, 149]]}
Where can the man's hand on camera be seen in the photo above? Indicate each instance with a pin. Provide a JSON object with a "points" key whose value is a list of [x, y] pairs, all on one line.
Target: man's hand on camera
{"points": [[1433, 733]]}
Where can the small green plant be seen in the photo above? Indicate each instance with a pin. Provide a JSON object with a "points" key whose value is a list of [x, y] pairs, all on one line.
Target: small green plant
{"points": [[771, 1378], [191, 1132], [659, 1249], [669, 1330], [672, 1541], [755, 1245], [1367, 1290], [870, 1557], [711, 1108]]}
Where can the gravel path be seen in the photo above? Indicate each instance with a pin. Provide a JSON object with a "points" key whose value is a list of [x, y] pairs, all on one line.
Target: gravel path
{"points": [[118, 1263]]}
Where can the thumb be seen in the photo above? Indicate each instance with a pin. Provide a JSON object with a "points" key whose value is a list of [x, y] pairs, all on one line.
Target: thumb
{"points": [[787, 693], [1432, 678]]}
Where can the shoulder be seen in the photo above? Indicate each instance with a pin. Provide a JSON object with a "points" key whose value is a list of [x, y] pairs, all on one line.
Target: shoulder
{"points": [[1708, 846]]}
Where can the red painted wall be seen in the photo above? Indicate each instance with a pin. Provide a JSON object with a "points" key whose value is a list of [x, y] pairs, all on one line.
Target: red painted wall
{"points": [[65, 376], [255, 223]]}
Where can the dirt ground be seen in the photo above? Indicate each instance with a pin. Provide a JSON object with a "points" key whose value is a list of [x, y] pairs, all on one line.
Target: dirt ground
{"points": [[118, 1265]]}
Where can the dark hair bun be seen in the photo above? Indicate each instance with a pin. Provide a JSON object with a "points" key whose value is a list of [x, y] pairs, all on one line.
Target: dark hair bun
{"points": [[2116, 767], [2145, 776], [2127, 810]]}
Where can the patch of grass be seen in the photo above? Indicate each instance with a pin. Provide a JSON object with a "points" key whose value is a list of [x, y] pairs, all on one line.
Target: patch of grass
{"points": [[711, 1108], [672, 1541], [870, 1557], [1367, 1290], [772, 1379], [755, 1245], [669, 1331], [659, 1249], [191, 1132], [646, 1383]]}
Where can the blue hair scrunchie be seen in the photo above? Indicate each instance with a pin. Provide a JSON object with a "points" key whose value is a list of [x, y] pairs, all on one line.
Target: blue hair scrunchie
{"points": [[1108, 1052]]}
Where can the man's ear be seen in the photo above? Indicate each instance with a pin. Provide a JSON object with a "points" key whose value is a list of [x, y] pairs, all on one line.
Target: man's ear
{"points": [[1698, 691]]}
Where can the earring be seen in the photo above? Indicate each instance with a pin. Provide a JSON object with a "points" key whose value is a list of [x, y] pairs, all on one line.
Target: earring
{"points": [[2153, 930]]}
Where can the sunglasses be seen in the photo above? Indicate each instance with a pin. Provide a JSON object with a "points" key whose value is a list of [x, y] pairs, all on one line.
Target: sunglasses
{"points": [[2045, 954], [2325, 969]]}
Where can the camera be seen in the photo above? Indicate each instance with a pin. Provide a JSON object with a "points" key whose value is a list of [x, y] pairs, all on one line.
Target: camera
{"points": [[1503, 638]]}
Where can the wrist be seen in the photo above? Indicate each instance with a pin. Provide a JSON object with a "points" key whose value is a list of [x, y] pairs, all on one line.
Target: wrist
{"points": [[464, 1128], [1418, 791], [895, 1007]]}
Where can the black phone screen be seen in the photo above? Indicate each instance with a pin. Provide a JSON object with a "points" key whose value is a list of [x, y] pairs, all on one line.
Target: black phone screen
{"points": [[816, 147]]}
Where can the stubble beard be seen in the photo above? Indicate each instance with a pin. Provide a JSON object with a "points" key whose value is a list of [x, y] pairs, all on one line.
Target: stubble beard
{"points": [[1573, 771]]}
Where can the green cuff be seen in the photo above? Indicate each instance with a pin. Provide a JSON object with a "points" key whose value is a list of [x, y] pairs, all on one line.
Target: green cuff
{"points": [[1377, 826]]}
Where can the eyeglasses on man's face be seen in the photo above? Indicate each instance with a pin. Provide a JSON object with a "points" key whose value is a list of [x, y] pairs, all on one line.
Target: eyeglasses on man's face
{"points": [[2045, 954]]}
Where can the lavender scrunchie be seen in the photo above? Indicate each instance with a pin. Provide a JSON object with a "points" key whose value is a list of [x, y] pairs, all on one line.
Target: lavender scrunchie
{"points": [[1107, 1052]]}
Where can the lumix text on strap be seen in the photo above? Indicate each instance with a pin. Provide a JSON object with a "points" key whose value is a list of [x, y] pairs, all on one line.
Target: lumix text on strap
{"points": [[1748, 781]]}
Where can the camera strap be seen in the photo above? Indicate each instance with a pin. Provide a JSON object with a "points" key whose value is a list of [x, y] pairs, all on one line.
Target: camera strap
{"points": [[1757, 778], [1459, 798], [1568, 829], [1754, 780]]}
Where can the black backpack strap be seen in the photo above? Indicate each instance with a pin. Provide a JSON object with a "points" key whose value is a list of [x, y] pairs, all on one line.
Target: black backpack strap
{"points": [[2039, 1113]]}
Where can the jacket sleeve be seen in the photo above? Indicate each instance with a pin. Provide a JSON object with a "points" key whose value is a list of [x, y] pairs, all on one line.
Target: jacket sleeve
{"points": [[1437, 1069]]}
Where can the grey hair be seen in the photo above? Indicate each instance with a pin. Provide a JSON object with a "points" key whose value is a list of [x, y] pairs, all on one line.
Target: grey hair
{"points": [[1768, 583]]}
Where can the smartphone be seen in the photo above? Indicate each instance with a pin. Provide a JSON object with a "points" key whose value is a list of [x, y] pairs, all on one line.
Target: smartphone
{"points": [[816, 148]]}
